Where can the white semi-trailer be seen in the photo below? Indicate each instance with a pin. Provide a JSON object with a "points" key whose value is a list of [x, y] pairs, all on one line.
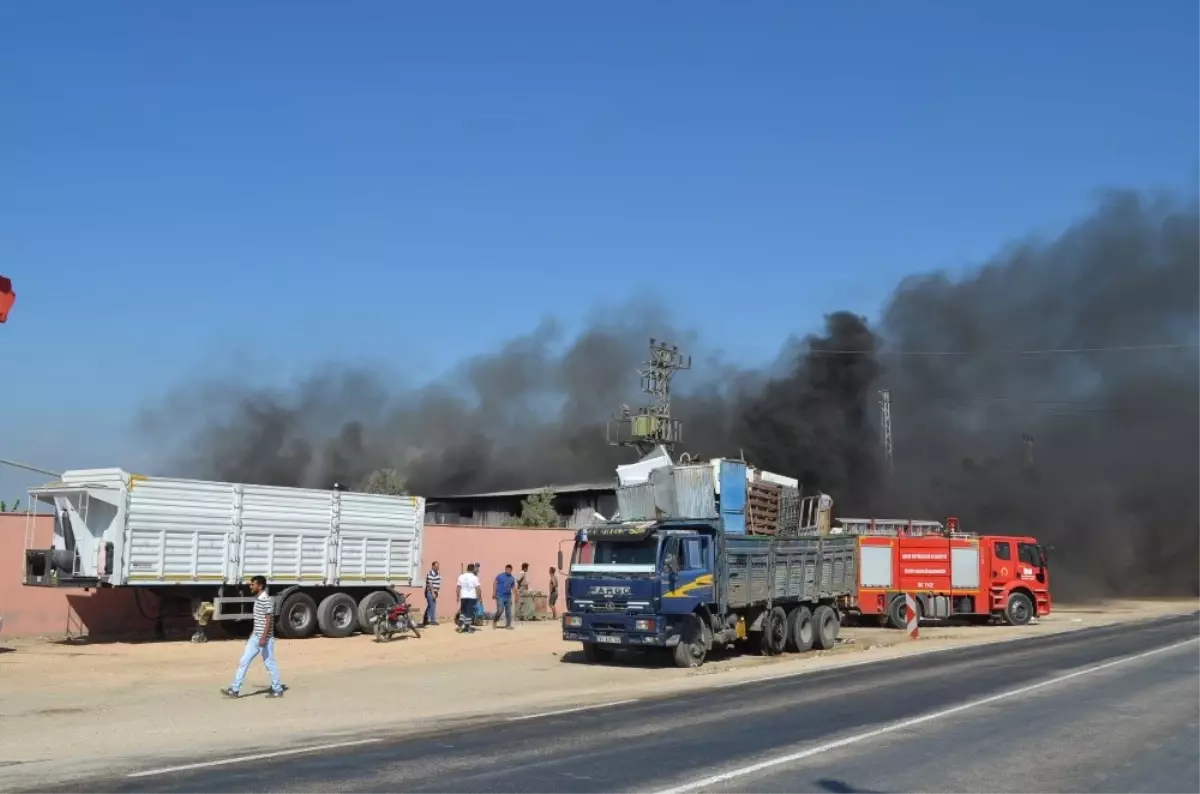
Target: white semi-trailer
{"points": [[329, 557]]}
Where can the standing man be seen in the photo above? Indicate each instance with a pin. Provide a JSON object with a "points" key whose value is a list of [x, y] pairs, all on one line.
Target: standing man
{"points": [[554, 593], [468, 594], [502, 591], [433, 585], [480, 614], [524, 602], [261, 642]]}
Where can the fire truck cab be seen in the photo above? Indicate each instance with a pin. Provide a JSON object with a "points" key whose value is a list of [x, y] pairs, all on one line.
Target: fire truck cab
{"points": [[951, 573]]}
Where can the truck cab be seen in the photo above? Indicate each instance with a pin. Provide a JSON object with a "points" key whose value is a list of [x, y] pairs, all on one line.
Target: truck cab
{"points": [[633, 584]]}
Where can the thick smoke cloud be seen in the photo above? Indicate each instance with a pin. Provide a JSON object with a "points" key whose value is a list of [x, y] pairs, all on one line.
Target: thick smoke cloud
{"points": [[974, 364]]}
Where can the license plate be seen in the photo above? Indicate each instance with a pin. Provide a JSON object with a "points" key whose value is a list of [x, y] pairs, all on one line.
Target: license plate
{"points": [[609, 640]]}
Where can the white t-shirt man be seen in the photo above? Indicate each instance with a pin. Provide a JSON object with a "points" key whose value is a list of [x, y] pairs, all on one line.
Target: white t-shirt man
{"points": [[468, 585]]}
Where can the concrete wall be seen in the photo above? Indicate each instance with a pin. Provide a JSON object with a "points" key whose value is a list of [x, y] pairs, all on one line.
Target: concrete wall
{"points": [[35, 611]]}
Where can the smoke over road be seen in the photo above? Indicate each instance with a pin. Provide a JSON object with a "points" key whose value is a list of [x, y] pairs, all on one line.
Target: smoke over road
{"points": [[1021, 346]]}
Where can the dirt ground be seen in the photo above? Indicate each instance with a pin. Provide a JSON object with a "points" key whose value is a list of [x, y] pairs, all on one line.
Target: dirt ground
{"points": [[73, 709]]}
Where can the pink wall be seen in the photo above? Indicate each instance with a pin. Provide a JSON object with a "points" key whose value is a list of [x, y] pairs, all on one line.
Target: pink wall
{"points": [[36, 611]]}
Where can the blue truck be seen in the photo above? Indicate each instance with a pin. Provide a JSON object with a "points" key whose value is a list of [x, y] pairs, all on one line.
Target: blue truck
{"points": [[683, 584]]}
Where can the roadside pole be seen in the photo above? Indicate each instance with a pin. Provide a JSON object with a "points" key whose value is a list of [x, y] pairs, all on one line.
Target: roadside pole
{"points": [[910, 606]]}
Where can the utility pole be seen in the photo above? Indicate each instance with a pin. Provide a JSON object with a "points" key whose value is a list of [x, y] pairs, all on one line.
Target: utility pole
{"points": [[652, 425], [885, 425]]}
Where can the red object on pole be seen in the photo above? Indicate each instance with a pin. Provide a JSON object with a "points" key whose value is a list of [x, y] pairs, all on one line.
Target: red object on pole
{"points": [[7, 297], [914, 616]]}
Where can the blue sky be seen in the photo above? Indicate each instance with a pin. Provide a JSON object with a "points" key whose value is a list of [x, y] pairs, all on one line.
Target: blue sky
{"points": [[254, 188]]}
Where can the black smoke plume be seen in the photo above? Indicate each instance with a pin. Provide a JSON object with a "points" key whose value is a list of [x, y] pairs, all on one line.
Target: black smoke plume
{"points": [[1030, 395]]}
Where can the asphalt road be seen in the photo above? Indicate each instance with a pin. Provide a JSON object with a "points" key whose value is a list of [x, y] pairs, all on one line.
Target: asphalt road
{"points": [[1108, 709]]}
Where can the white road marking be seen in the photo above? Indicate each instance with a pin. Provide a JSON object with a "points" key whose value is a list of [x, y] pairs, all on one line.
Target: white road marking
{"points": [[572, 710], [243, 758], [898, 726]]}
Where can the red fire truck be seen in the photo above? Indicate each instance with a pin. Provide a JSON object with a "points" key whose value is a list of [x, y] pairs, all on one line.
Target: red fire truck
{"points": [[951, 573]]}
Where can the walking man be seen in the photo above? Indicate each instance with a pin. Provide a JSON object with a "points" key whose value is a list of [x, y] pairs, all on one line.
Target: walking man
{"points": [[554, 593], [502, 591], [433, 585], [261, 642], [468, 594]]}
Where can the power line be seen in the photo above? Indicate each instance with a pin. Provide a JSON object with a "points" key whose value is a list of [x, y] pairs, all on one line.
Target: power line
{"points": [[1040, 352]]}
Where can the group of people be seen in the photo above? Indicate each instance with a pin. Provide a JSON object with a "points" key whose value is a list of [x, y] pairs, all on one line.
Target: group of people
{"points": [[469, 594]]}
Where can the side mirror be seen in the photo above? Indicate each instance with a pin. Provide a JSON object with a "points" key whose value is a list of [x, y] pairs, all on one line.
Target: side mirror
{"points": [[560, 560]]}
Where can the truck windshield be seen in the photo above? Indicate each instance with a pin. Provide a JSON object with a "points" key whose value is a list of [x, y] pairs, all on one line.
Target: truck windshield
{"points": [[644, 552], [1029, 554]]}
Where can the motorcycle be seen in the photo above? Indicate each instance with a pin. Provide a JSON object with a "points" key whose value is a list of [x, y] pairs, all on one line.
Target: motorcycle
{"points": [[396, 619]]}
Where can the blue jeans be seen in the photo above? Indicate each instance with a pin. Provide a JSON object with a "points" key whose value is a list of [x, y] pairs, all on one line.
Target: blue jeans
{"points": [[430, 606], [504, 605], [268, 656]]}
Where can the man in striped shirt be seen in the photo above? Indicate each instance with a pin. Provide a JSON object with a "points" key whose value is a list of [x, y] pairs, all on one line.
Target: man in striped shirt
{"points": [[261, 642], [433, 585]]}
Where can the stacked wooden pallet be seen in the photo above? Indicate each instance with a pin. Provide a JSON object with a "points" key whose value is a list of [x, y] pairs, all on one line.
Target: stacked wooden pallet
{"points": [[762, 508]]}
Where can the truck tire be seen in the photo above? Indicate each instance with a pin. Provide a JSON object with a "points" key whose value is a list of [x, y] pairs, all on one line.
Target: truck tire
{"points": [[377, 598], [897, 615], [1019, 610], [298, 617], [800, 630], [825, 627], [594, 654], [775, 632], [338, 615], [692, 649]]}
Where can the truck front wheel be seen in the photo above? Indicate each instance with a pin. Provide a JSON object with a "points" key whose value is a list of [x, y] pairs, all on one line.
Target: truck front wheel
{"points": [[594, 654], [692, 649], [1019, 610]]}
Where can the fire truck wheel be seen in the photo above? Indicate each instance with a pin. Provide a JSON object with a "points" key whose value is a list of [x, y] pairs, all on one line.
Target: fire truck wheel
{"points": [[800, 630], [377, 598], [825, 624], [1019, 610], [775, 632], [898, 613]]}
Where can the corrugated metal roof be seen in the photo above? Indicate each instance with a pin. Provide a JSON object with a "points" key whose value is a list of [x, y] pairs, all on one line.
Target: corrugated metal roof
{"points": [[610, 485]]}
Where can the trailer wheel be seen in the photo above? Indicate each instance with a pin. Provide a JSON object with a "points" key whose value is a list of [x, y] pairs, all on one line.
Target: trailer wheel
{"points": [[338, 615], [825, 623], [377, 598], [298, 617], [1019, 610], [800, 630]]}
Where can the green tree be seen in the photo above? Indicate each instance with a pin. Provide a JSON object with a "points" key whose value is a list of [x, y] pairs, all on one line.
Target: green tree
{"points": [[385, 481], [537, 510], [16, 506]]}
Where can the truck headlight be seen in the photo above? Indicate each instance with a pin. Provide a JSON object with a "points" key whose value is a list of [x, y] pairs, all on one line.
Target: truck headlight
{"points": [[643, 625], [573, 621]]}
